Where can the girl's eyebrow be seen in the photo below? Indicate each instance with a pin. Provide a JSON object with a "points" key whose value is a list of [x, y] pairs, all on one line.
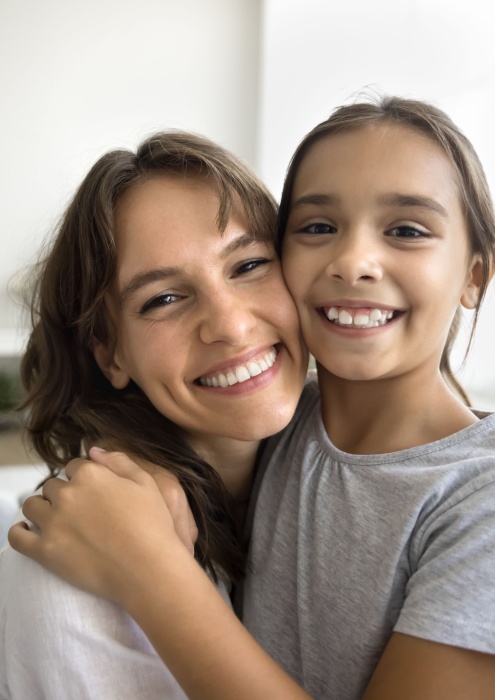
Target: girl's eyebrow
{"points": [[396, 199], [162, 273], [315, 199]]}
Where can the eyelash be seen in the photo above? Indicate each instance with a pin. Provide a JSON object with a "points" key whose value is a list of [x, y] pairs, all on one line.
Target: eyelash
{"points": [[169, 298], [251, 265], [307, 229], [403, 230], [417, 233], [158, 301]]}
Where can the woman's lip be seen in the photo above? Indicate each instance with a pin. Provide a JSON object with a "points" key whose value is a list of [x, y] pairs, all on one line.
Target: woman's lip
{"points": [[231, 363], [247, 384]]}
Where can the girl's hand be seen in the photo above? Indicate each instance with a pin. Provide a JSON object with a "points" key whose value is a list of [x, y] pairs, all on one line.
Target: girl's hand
{"points": [[101, 527]]}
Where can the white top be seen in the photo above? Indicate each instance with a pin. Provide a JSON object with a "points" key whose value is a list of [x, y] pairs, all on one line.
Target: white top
{"points": [[60, 643]]}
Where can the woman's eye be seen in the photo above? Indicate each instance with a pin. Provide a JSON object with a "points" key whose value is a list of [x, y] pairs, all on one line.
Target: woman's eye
{"points": [[407, 232], [251, 265], [159, 301], [318, 229]]}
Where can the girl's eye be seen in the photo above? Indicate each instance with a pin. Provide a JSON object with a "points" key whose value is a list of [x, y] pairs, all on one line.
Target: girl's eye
{"points": [[407, 231], [251, 265], [159, 301], [318, 229]]}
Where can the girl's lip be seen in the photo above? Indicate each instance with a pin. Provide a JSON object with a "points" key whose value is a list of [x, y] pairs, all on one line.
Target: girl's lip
{"points": [[356, 304]]}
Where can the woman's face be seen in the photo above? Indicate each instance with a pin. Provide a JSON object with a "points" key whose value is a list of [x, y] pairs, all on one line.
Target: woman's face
{"points": [[205, 325]]}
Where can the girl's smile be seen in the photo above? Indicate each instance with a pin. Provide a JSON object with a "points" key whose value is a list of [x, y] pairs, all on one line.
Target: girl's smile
{"points": [[376, 252]]}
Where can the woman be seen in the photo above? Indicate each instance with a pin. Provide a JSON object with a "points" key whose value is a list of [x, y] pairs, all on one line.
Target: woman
{"points": [[161, 323]]}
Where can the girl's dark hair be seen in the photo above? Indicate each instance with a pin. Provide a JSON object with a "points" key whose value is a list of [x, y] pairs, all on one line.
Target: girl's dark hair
{"points": [[474, 191], [67, 397]]}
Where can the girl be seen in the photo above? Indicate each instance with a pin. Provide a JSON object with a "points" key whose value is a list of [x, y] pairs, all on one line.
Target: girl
{"points": [[372, 558], [161, 282]]}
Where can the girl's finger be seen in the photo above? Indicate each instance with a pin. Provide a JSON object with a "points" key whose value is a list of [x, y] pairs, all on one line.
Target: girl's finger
{"points": [[51, 488], [118, 462], [73, 466], [22, 539], [36, 509]]}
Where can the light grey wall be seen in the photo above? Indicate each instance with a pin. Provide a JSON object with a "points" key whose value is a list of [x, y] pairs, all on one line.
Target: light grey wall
{"points": [[79, 78], [319, 54]]}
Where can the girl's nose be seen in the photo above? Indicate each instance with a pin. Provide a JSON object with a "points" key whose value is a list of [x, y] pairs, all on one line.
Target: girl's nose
{"points": [[355, 259], [228, 318]]}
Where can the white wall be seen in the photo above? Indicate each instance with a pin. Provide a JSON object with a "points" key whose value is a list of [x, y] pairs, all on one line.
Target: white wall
{"points": [[80, 77], [318, 54]]}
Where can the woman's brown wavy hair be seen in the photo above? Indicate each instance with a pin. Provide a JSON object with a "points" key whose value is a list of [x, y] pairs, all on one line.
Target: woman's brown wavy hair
{"points": [[473, 187], [67, 397]]}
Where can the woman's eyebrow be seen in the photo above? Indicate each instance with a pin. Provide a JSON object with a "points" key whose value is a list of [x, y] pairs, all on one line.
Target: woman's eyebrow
{"points": [[396, 199], [143, 278], [242, 241], [162, 273]]}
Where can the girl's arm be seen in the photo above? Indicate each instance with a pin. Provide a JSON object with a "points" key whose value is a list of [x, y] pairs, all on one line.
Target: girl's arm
{"points": [[149, 572], [417, 669], [195, 633]]}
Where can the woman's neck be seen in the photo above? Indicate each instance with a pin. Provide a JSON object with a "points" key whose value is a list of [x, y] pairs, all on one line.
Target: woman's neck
{"points": [[389, 415], [233, 460]]}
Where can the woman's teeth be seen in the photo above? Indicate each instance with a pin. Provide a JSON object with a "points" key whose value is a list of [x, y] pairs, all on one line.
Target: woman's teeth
{"points": [[242, 373], [360, 318]]}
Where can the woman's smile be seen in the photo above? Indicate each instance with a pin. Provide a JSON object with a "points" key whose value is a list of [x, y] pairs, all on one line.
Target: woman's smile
{"points": [[241, 370]]}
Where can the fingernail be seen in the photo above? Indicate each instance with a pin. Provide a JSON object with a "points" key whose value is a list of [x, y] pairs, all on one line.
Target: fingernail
{"points": [[97, 449]]}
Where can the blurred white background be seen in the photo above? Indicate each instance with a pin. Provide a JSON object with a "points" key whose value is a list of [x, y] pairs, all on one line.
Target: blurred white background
{"points": [[79, 78]]}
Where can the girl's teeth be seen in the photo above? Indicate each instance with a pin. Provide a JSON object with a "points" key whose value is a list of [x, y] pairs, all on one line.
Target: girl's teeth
{"points": [[345, 318], [361, 319], [242, 373]]}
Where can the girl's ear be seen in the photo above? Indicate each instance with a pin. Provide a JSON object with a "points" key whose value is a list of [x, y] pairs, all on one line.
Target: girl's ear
{"points": [[108, 361], [474, 278]]}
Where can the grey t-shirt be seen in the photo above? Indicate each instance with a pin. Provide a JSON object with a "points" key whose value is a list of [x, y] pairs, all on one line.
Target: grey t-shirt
{"points": [[346, 548]]}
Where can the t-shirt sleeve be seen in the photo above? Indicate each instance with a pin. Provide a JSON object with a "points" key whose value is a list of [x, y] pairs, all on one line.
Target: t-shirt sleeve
{"points": [[58, 642], [450, 596]]}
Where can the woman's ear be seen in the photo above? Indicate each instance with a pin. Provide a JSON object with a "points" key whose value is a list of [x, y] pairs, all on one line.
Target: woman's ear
{"points": [[474, 278], [108, 361]]}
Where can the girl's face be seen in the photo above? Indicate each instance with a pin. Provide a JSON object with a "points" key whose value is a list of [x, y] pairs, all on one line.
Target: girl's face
{"points": [[205, 324], [376, 252]]}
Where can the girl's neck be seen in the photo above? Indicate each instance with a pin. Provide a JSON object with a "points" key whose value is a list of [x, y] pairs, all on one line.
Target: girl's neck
{"points": [[389, 415]]}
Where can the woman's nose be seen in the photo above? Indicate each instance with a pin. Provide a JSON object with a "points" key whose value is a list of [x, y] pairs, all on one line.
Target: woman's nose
{"points": [[355, 258], [228, 318]]}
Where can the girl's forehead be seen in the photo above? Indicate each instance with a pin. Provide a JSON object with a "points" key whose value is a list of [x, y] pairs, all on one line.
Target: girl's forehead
{"points": [[383, 155]]}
